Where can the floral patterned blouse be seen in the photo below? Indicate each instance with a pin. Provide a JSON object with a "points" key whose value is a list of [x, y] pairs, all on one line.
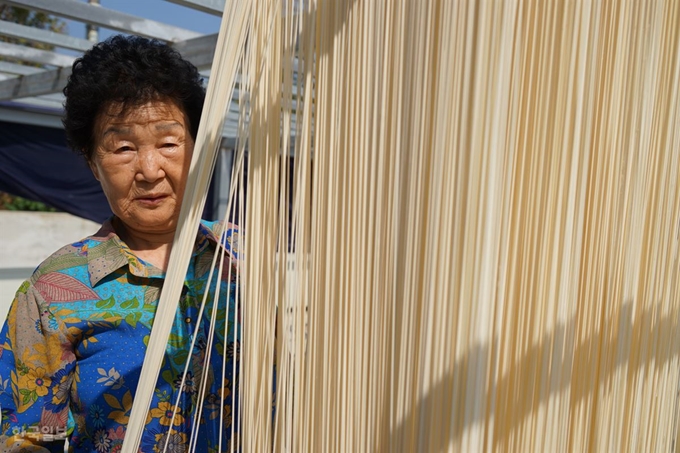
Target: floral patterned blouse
{"points": [[74, 343]]}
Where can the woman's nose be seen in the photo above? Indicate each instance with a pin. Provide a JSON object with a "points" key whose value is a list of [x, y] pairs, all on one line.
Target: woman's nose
{"points": [[149, 165]]}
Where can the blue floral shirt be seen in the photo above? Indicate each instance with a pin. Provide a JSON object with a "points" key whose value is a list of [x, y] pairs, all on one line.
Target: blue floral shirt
{"points": [[74, 343]]}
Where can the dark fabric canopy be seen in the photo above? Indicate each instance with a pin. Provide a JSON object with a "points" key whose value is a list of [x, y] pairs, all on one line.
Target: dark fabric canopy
{"points": [[37, 164]]}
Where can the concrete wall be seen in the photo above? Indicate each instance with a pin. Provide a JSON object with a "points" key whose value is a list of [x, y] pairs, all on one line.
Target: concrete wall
{"points": [[26, 239]]}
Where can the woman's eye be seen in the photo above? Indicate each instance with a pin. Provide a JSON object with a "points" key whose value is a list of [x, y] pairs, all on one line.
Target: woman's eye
{"points": [[121, 149], [169, 145]]}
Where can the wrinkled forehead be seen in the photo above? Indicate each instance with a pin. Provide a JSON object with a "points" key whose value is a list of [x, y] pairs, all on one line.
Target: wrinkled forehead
{"points": [[140, 114]]}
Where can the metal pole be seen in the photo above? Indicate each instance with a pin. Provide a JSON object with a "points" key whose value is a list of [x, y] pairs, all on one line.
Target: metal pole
{"points": [[92, 31]]}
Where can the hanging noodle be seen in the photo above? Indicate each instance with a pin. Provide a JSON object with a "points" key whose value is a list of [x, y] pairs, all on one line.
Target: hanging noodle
{"points": [[462, 224], [229, 44]]}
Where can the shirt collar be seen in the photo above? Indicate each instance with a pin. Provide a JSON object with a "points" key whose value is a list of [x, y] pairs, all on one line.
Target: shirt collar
{"points": [[107, 253]]}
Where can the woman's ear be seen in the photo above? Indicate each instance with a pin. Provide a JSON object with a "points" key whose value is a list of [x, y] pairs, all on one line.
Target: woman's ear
{"points": [[93, 167]]}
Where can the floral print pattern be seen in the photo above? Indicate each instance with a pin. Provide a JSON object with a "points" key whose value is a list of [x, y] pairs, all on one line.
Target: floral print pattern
{"points": [[74, 342]]}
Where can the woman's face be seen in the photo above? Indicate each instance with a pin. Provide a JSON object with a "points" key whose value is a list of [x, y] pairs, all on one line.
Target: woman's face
{"points": [[141, 159]]}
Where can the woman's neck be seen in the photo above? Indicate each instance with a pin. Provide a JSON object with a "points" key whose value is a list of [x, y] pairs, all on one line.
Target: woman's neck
{"points": [[154, 248]]}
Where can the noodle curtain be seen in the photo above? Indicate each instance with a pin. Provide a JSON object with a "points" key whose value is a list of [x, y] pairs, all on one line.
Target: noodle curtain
{"points": [[486, 224]]}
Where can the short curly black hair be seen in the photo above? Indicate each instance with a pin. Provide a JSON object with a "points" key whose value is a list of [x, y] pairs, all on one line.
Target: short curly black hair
{"points": [[130, 71]]}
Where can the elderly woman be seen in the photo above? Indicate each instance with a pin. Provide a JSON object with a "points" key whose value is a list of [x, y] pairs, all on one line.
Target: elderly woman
{"points": [[76, 334]]}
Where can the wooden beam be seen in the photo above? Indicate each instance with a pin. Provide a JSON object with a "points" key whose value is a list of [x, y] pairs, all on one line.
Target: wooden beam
{"points": [[37, 84], [107, 18], [199, 51], [18, 69], [33, 55], [214, 7], [12, 30]]}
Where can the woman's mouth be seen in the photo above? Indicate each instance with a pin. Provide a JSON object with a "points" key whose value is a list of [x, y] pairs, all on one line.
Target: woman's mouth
{"points": [[151, 200]]}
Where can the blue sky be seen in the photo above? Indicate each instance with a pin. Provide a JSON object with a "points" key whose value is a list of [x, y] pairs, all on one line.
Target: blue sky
{"points": [[159, 10]]}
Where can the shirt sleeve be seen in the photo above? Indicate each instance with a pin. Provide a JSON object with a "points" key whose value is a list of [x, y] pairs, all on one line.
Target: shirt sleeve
{"points": [[36, 372]]}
